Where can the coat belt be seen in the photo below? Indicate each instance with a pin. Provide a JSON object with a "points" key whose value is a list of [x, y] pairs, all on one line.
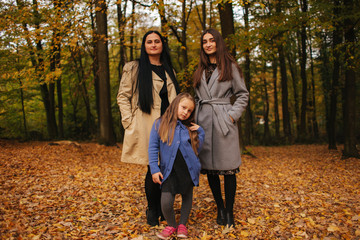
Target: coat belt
{"points": [[215, 103]]}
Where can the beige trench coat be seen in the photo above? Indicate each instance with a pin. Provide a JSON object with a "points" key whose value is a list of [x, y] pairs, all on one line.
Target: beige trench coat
{"points": [[136, 123]]}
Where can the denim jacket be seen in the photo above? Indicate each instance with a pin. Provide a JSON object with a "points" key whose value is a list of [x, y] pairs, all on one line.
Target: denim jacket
{"points": [[168, 153]]}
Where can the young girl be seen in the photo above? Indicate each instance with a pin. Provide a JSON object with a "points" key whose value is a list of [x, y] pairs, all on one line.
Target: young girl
{"points": [[176, 139]]}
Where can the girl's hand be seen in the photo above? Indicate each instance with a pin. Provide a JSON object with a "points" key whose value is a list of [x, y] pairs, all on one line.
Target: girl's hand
{"points": [[194, 127], [157, 177]]}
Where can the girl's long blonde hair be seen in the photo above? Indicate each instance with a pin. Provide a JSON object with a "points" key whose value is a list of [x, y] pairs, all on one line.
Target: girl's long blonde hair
{"points": [[169, 120]]}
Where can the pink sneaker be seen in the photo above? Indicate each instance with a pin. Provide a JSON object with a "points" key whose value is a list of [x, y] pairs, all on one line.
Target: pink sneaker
{"points": [[182, 231], [166, 233]]}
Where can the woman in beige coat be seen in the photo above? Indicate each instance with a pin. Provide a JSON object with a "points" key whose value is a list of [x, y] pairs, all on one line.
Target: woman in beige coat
{"points": [[147, 87]]}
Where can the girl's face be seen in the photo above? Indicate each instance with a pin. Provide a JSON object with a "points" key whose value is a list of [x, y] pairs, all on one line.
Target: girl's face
{"points": [[186, 107], [153, 44], [209, 44]]}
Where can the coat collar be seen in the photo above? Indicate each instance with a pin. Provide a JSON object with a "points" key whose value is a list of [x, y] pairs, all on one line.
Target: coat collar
{"points": [[181, 125]]}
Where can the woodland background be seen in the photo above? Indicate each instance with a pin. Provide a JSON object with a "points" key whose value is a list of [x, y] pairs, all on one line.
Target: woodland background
{"points": [[61, 63]]}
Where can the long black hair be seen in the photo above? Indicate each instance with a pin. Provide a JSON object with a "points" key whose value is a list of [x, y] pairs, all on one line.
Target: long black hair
{"points": [[144, 81]]}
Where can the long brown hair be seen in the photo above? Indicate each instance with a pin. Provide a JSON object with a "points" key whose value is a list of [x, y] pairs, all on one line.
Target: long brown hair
{"points": [[224, 60], [169, 120]]}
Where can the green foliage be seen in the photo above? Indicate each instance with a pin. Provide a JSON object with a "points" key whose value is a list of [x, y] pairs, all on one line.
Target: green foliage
{"points": [[185, 77]]}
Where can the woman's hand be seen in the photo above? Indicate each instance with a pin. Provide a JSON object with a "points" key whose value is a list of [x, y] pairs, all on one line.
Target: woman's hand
{"points": [[157, 177], [232, 120], [194, 127]]}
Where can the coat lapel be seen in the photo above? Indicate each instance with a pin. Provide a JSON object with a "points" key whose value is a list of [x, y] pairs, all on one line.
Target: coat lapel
{"points": [[214, 77], [204, 85]]}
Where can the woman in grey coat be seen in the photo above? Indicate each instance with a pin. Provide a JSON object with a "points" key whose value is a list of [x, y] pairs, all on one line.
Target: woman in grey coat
{"points": [[217, 78]]}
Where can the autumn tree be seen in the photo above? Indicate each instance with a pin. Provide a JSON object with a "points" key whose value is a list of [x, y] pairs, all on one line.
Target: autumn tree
{"points": [[349, 111], [178, 30], [107, 136]]}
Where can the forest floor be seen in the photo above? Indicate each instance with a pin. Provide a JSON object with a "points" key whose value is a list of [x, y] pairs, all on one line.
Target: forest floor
{"points": [[83, 191]]}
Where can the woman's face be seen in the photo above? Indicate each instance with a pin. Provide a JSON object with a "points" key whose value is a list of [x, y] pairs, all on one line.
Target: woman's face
{"points": [[153, 44], [209, 44], [186, 107]]}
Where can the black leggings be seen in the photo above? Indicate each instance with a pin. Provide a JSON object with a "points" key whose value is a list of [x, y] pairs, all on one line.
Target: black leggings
{"points": [[153, 193], [230, 190]]}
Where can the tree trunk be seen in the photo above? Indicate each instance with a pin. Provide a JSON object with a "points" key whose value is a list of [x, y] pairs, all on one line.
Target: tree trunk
{"points": [[204, 14], [47, 94], [122, 24], [315, 128], [227, 22], [294, 77], [335, 77], [183, 36], [210, 14], [77, 58], [349, 111], [276, 104], [55, 64], [121, 17], [23, 109], [107, 135], [267, 136], [57, 50], [95, 67], [325, 77], [132, 32], [161, 10], [303, 58], [284, 94], [249, 130], [284, 87]]}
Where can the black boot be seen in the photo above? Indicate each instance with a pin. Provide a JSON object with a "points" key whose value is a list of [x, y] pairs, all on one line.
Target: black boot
{"points": [[230, 219], [153, 194], [221, 216], [152, 217]]}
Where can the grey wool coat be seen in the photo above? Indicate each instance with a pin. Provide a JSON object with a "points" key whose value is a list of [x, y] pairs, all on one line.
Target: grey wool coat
{"points": [[221, 150]]}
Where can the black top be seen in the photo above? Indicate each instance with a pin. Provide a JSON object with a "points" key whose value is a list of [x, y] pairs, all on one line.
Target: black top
{"points": [[209, 71], [160, 71]]}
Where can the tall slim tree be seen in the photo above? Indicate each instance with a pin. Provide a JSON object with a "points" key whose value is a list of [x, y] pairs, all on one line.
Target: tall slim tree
{"points": [[349, 111], [121, 18], [55, 60], [47, 92], [107, 135], [303, 57], [284, 80], [337, 40], [266, 107], [314, 123], [247, 76], [294, 77], [276, 104], [132, 31]]}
